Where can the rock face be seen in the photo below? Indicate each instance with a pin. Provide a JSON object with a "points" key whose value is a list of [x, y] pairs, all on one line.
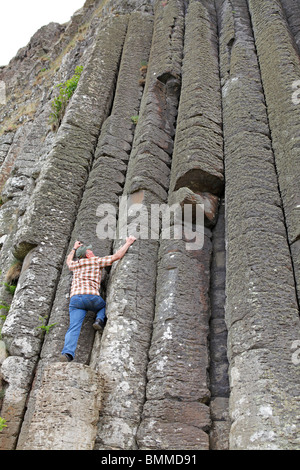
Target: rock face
{"points": [[181, 104], [260, 324], [77, 391]]}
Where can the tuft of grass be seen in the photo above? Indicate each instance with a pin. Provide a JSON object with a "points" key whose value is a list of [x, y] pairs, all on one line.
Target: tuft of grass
{"points": [[4, 306], [10, 288], [44, 327], [60, 103]]}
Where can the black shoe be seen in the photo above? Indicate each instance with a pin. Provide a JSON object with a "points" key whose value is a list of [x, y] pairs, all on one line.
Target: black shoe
{"points": [[66, 358], [98, 325]]}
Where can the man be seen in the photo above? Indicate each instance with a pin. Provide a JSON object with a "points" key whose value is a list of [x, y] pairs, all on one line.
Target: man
{"points": [[84, 296]]}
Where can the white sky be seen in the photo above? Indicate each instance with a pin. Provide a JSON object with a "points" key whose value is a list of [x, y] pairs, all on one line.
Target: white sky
{"points": [[20, 19]]}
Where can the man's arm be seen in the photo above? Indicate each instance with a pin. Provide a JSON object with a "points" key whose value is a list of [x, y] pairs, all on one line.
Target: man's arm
{"points": [[121, 251], [72, 253]]}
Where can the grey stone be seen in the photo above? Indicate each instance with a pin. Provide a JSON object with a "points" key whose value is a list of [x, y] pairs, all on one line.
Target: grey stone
{"points": [[261, 316], [3, 352], [5, 143], [17, 374], [50, 215], [104, 186], [123, 356], [67, 409], [218, 437], [278, 87], [198, 153]]}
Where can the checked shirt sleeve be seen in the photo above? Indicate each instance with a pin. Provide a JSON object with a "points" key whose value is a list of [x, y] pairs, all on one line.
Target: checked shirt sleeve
{"points": [[72, 265], [105, 261]]}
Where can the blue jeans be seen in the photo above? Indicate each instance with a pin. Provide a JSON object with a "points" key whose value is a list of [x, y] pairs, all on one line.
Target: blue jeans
{"points": [[78, 307]]}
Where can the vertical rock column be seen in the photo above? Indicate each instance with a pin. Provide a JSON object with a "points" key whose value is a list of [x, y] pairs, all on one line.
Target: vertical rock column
{"points": [[123, 357], [261, 308], [292, 14], [24, 158], [198, 157], [107, 176], [49, 217], [280, 69], [176, 414], [67, 409], [104, 186], [17, 187], [218, 371], [5, 144]]}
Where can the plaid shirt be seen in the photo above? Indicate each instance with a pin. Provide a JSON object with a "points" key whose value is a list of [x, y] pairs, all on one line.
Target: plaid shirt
{"points": [[87, 273]]}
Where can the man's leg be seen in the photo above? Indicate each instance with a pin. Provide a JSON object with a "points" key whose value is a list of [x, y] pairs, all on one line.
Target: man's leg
{"points": [[100, 310], [96, 304], [77, 316]]}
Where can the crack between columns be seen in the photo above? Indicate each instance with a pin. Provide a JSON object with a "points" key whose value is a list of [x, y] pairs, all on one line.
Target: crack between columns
{"points": [[274, 159]]}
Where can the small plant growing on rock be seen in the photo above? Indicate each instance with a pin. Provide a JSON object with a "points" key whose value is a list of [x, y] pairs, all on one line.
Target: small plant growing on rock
{"points": [[59, 104], [44, 327], [10, 285], [10, 288], [134, 119], [4, 306], [2, 424]]}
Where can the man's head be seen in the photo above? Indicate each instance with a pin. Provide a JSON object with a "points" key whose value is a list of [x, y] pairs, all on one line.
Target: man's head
{"points": [[89, 254], [84, 252]]}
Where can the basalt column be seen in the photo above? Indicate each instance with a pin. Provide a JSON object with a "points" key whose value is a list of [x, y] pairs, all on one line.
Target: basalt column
{"points": [[280, 69], [292, 14], [176, 413], [104, 186], [49, 218], [123, 356], [66, 410], [261, 308], [218, 368]]}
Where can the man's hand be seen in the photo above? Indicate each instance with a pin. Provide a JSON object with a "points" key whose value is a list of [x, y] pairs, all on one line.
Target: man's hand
{"points": [[77, 244], [130, 240], [121, 251]]}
